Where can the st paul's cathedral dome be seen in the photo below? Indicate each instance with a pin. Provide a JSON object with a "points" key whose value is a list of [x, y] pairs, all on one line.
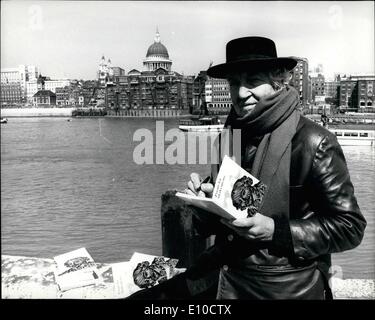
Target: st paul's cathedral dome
{"points": [[157, 56]]}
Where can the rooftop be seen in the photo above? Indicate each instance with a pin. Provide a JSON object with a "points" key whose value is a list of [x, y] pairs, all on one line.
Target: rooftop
{"points": [[44, 93]]}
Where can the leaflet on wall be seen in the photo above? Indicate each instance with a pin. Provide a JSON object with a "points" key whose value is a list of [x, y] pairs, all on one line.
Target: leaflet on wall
{"points": [[142, 271], [75, 269]]}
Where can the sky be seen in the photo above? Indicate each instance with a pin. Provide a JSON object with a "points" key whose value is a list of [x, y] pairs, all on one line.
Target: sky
{"points": [[67, 39]]}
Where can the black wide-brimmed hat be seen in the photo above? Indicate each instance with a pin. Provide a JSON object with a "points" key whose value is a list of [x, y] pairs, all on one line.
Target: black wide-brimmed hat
{"points": [[250, 54]]}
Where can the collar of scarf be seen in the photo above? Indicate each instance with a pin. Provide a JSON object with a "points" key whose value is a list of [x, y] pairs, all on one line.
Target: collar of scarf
{"points": [[276, 119], [268, 114]]}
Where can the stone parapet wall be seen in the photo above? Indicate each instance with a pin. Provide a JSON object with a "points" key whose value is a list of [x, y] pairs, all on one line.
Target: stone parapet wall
{"points": [[33, 278]]}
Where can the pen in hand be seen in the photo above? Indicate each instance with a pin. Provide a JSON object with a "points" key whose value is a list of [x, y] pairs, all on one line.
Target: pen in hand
{"points": [[199, 187], [206, 180]]}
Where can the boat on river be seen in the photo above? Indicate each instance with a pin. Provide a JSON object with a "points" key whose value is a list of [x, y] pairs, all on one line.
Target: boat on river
{"points": [[4, 120], [347, 134], [204, 124], [358, 130], [355, 135]]}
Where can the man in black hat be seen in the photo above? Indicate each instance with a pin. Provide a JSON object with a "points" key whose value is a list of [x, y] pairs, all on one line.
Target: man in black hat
{"points": [[309, 210]]}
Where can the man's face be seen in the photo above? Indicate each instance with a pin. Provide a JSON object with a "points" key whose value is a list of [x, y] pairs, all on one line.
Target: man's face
{"points": [[247, 89]]}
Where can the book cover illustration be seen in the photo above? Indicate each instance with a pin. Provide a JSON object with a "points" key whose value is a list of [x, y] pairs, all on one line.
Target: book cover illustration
{"points": [[247, 195], [142, 271], [237, 194], [75, 269], [153, 270]]}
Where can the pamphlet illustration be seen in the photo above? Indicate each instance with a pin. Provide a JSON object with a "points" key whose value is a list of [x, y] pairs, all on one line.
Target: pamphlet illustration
{"points": [[236, 194], [75, 269], [142, 271]]}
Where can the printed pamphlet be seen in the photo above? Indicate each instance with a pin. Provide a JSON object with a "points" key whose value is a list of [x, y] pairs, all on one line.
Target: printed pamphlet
{"points": [[236, 194], [75, 269]]}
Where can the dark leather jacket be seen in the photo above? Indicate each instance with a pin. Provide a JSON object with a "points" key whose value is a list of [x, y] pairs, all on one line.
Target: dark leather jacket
{"points": [[324, 215], [324, 218]]}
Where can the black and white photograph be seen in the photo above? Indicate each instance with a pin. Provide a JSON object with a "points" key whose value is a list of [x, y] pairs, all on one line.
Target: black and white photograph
{"points": [[119, 117]]}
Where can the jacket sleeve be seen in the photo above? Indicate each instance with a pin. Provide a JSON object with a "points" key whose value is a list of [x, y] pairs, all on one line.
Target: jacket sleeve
{"points": [[337, 224]]}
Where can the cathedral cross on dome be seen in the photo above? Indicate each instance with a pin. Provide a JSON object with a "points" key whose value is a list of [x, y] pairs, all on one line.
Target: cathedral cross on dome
{"points": [[157, 36]]}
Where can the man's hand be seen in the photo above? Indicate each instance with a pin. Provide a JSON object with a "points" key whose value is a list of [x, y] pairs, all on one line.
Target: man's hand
{"points": [[198, 187], [258, 227]]}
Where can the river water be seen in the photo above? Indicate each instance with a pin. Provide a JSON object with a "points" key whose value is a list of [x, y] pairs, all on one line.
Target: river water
{"points": [[70, 184]]}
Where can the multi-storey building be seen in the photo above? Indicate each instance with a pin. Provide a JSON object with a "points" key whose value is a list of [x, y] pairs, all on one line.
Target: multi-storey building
{"points": [[156, 87], [32, 72], [331, 91], [79, 93], [87, 94], [331, 88], [117, 71], [217, 95], [11, 93], [21, 75], [366, 94], [348, 95], [150, 90], [357, 94], [317, 87], [63, 96], [300, 79], [309, 90], [10, 75], [53, 84]]}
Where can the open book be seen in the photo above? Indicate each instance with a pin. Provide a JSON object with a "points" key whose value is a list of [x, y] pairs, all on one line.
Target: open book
{"points": [[237, 194], [75, 269]]}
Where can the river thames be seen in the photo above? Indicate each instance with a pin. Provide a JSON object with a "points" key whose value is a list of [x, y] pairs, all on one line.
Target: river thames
{"points": [[71, 184]]}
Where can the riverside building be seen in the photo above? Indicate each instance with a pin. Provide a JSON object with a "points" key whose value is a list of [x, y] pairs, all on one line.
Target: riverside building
{"points": [[331, 91], [11, 93], [356, 94], [317, 87], [217, 96], [14, 82], [155, 87], [32, 87], [44, 98], [79, 93], [300, 79]]}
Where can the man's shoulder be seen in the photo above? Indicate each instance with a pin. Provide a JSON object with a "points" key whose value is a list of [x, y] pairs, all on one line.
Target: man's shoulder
{"points": [[311, 133]]}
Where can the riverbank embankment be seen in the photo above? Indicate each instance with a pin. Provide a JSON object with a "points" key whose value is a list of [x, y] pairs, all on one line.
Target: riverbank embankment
{"points": [[90, 112], [150, 113], [36, 112]]}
